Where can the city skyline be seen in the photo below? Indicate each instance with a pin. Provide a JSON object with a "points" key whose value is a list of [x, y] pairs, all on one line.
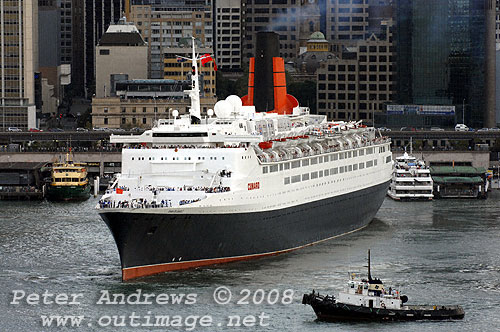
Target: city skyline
{"points": [[462, 65]]}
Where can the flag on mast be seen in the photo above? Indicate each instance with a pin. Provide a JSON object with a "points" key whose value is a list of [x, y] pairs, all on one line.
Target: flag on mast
{"points": [[207, 58]]}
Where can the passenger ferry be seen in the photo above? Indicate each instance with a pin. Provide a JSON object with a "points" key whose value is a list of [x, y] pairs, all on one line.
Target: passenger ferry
{"points": [[242, 184], [69, 181], [411, 179]]}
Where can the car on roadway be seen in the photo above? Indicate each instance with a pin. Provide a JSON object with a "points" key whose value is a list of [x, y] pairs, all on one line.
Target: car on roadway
{"points": [[494, 129], [55, 130], [34, 130], [384, 129], [14, 129], [81, 129], [461, 127], [436, 129], [483, 129]]}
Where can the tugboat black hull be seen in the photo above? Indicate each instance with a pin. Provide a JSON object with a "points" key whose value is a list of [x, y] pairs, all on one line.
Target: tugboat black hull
{"points": [[327, 309]]}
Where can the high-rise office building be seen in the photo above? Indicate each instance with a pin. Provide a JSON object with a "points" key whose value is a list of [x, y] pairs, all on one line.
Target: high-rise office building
{"points": [[497, 25], [282, 17], [99, 15], [171, 23], [18, 63], [346, 20], [378, 12], [360, 82], [293, 20], [448, 58], [66, 30], [49, 27], [228, 33], [82, 23]]}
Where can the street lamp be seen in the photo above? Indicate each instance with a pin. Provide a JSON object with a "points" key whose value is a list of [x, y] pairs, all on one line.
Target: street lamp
{"points": [[463, 111], [155, 110]]}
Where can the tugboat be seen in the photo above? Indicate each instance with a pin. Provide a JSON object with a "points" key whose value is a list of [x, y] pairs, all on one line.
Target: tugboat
{"points": [[69, 181], [369, 299]]}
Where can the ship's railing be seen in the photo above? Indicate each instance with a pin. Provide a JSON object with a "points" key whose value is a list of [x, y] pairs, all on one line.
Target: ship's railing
{"points": [[143, 204], [183, 146], [116, 200], [157, 190]]}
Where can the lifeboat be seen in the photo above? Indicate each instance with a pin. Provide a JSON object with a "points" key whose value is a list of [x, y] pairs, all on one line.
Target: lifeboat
{"points": [[265, 145]]}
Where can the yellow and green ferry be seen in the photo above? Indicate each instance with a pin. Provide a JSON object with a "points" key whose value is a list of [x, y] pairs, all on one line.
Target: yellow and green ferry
{"points": [[69, 181]]}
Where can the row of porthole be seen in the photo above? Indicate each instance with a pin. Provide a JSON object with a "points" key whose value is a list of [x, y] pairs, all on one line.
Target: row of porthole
{"points": [[328, 172], [324, 183], [176, 158]]}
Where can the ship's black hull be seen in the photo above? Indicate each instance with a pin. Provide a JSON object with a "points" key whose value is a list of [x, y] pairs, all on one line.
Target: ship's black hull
{"points": [[327, 309], [150, 243]]}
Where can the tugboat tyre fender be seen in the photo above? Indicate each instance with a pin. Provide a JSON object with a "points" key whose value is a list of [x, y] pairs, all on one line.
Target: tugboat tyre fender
{"points": [[404, 298]]}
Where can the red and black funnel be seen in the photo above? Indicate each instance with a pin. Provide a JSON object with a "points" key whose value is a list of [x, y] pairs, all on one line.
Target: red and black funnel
{"points": [[266, 78]]}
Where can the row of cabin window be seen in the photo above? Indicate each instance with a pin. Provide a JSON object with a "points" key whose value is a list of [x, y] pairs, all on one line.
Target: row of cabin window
{"points": [[329, 172], [67, 179], [176, 158], [316, 160]]}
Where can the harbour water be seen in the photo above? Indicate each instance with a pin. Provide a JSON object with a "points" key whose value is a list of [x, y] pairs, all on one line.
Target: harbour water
{"points": [[439, 252]]}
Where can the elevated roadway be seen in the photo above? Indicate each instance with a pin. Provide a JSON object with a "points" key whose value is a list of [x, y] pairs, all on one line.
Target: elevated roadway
{"points": [[91, 136], [440, 135]]}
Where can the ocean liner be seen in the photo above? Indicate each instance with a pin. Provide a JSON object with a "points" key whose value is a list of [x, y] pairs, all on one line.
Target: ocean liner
{"points": [[261, 177]]}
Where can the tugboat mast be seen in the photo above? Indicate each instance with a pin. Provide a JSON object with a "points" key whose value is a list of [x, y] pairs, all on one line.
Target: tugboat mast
{"points": [[369, 269]]}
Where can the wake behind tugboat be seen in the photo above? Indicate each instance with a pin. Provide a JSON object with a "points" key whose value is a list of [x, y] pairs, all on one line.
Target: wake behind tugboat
{"points": [[368, 299]]}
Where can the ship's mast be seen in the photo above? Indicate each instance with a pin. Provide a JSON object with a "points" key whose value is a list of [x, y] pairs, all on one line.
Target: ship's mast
{"points": [[194, 93]]}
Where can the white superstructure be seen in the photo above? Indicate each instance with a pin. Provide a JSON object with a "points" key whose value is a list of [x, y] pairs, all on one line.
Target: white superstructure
{"points": [[247, 162], [371, 294], [243, 161], [411, 179]]}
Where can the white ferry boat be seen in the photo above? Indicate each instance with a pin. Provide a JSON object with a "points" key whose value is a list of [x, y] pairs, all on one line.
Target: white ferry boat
{"points": [[411, 179], [241, 184]]}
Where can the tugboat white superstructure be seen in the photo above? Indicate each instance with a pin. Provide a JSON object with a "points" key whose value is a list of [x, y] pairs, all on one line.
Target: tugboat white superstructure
{"points": [[411, 179], [197, 191]]}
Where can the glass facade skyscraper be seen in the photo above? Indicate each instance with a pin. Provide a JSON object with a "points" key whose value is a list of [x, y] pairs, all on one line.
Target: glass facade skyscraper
{"points": [[442, 55]]}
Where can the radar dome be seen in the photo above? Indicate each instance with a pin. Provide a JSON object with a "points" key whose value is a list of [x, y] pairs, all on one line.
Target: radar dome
{"points": [[235, 101], [175, 113], [210, 112], [223, 109]]}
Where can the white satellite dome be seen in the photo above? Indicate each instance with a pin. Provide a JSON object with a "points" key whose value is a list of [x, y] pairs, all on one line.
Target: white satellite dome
{"points": [[235, 101], [223, 109], [175, 113], [210, 112]]}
